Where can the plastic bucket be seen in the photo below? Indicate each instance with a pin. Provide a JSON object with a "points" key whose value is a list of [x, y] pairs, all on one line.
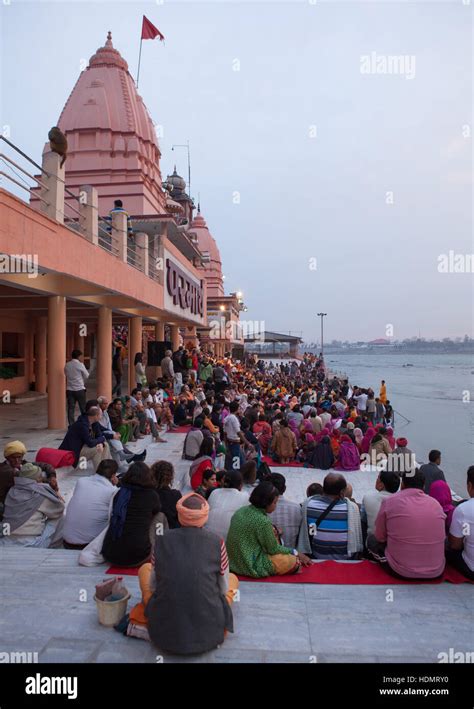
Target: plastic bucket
{"points": [[111, 612]]}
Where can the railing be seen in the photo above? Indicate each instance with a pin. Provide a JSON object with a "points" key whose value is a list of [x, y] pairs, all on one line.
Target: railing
{"points": [[75, 216]]}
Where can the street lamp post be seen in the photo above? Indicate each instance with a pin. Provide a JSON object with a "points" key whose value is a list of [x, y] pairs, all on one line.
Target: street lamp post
{"points": [[322, 316]]}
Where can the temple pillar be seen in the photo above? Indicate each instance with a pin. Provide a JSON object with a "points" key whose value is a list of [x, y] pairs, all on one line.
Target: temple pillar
{"points": [[142, 256], [174, 337], [89, 213], [52, 187], [134, 346], [56, 349], [104, 352], [120, 235], [41, 376]]}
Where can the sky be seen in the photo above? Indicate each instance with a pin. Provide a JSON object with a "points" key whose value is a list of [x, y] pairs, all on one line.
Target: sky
{"points": [[330, 144]]}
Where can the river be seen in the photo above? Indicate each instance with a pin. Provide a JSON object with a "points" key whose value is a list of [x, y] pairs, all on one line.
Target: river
{"points": [[436, 396]]}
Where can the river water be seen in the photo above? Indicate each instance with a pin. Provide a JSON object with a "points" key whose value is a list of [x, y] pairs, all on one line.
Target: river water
{"points": [[436, 395]]}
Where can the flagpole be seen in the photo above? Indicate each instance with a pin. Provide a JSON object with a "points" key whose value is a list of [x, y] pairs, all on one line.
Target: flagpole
{"points": [[139, 60]]}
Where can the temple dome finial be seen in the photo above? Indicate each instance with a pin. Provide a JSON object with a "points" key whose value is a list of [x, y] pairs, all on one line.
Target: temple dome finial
{"points": [[109, 38]]}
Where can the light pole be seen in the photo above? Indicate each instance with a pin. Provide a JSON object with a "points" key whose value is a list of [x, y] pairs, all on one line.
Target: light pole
{"points": [[322, 316]]}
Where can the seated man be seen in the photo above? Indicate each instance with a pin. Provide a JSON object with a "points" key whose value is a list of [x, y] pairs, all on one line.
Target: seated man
{"points": [[14, 453], [86, 439], [331, 526], [410, 532], [386, 485], [224, 502], [138, 408], [193, 440], [118, 451], [431, 471], [288, 515], [461, 533], [33, 515], [87, 513], [186, 597]]}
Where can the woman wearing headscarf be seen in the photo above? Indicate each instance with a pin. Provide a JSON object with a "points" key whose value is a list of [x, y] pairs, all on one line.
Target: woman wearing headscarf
{"points": [[441, 492], [348, 458], [366, 441], [322, 456], [187, 589], [390, 437], [135, 507], [358, 436]]}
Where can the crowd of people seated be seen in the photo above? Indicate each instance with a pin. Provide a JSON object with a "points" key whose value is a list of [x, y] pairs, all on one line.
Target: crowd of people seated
{"points": [[240, 416]]}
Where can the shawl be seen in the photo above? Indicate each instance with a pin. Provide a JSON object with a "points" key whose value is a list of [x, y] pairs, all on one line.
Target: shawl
{"points": [[24, 499]]}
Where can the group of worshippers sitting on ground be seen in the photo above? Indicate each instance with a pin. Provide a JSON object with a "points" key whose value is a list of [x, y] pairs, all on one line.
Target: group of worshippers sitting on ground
{"points": [[237, 520]]}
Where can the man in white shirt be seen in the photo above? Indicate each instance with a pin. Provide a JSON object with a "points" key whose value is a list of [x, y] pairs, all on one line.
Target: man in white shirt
{"points": [[460, 553], [361, 401], [76, 378], [224, 501], [87, 513], [234, 437], [287, 515], [386, 485]]}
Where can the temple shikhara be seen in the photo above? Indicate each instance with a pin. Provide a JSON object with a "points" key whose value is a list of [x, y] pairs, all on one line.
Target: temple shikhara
{"points": [[147, 263]]}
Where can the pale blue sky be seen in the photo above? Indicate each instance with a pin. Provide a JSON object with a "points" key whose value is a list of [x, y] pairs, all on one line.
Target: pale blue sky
{"points": [[301, 197]]}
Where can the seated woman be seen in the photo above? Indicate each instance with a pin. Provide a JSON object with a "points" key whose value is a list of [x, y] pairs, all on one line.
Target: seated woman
{"points": [[164, 474], [349, 458], [322, 456], [252, 544], [186, 598], [33, 511], [263, 432], [181, 414], [208, 484], [284, 443], [441, 492], [135, 511], [203, 462]]}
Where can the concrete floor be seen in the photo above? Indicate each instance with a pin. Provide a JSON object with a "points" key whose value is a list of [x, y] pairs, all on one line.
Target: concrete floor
{"points": [[44, 608]]}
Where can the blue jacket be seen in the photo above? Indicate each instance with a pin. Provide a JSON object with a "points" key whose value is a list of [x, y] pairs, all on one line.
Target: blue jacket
{"points": [[81, 433]]}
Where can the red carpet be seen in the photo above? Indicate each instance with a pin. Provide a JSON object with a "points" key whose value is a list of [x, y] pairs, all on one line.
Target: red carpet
{"points": [[274, 464], [180, 429], [361, 573], [119, 571]]}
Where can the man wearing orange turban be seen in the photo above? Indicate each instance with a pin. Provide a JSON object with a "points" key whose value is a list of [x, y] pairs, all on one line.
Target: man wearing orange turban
{"points": [[187, 589]]}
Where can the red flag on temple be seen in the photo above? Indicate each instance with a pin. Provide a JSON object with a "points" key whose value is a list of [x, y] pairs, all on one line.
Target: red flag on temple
{"points": [[149, 31]]}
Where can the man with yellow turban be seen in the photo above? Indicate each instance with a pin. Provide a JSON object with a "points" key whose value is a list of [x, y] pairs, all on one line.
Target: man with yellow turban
{"points": [[14, 453]]}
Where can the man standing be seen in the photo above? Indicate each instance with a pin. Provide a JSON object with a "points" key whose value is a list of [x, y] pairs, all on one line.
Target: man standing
{"points": [[167, 369], [76, 378], [179, 367], [234, 437]]}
